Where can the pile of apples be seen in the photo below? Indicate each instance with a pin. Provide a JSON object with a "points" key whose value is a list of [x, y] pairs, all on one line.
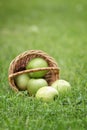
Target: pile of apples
{"points": [[37, 86]]}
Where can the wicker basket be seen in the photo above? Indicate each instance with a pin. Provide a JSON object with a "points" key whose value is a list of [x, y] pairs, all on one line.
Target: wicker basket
{"points": [[17, 67]]}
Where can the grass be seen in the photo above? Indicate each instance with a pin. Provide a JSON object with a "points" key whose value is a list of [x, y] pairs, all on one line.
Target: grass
{"points": [[59, 28]]}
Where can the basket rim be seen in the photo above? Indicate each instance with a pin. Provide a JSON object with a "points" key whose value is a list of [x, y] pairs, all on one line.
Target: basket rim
{"points": [[31, 52]]}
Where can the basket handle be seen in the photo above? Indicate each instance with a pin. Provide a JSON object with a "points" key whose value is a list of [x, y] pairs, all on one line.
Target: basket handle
{"points": [[34, 70]]}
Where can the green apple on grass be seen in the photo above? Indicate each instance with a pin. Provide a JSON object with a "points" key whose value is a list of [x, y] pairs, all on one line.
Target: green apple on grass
{"points": [[62, 86], [47, 94], [37, 63], [21, 81], [35, 84]]}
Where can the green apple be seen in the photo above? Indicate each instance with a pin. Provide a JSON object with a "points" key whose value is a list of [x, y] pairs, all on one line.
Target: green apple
{"points": [[37, 63], [21, 81], [47, 94], [35, 84], [62, 86]]}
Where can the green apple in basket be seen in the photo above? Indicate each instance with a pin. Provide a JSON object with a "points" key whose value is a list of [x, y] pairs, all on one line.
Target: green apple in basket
{"points": [[37, 63], [35, 84], [62, 86], [47, 94], [21, 81]]}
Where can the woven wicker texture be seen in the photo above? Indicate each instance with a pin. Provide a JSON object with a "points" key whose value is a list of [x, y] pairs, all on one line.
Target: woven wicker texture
{"points": [[17, 67]]}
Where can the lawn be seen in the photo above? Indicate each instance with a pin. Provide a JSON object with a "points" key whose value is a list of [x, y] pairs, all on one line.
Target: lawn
{"points": [[59, 28]]}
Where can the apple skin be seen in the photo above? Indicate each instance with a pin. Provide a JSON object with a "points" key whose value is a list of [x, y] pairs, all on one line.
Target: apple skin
{"points": [[21, 81], [37, 63], [47, 94], [62, 86], [35, 84]]}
